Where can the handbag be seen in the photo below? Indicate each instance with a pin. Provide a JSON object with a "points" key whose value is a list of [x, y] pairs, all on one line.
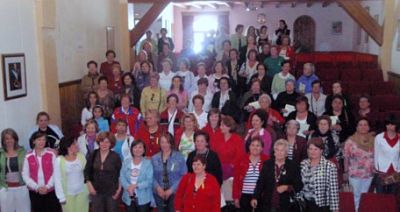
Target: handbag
{"points": [[389, 179], [297, 203]]}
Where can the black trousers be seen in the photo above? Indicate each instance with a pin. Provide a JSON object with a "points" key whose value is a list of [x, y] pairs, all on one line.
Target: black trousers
{"points": [[44, 203], [312, 207], [138, 208], [245, 205]]}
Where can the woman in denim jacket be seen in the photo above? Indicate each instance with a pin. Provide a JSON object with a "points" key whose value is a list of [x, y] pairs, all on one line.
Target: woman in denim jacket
{"points": [[136, 179], [169, 167]]}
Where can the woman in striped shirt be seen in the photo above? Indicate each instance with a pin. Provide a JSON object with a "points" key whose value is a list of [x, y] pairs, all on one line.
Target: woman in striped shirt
{"points": [[279, 177], [246, 173]]}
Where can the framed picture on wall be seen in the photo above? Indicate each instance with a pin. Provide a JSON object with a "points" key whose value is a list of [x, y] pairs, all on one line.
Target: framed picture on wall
{"points": [[337, 28], [14, 76]]}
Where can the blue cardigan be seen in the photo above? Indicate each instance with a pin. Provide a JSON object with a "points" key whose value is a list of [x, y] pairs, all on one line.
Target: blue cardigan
{"points": [[144, 184], [176, 169]]}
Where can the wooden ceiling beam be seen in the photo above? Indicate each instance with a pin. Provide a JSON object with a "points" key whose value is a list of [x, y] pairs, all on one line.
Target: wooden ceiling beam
{"points": [[145, 22], [364, 19]]}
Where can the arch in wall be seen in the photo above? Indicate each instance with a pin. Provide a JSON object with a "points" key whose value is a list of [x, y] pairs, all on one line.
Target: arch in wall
{"points": [[304, 33]]}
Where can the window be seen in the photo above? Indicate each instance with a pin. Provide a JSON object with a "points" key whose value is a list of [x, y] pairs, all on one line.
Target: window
{"points": [[202, 25]]}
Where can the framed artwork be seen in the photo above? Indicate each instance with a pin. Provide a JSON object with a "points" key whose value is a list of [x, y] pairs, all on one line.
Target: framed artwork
{"points": [[337, 28], [14, 76]]}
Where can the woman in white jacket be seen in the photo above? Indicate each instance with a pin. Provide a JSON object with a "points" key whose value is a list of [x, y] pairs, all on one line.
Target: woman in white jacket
{"points": [[387, 156]]}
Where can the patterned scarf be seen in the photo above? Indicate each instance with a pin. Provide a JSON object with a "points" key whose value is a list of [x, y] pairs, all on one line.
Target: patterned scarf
{"points": [[365, 143]]}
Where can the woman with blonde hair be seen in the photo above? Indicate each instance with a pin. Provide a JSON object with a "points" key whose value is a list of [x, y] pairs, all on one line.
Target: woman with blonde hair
{"points": [[184, 137]]}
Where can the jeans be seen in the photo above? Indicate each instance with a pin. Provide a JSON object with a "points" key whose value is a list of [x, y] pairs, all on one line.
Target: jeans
{"points": [[161, 202], [359, 185]]}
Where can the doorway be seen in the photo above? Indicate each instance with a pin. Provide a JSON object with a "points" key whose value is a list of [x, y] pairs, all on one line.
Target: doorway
{"points": [[304, 34]]}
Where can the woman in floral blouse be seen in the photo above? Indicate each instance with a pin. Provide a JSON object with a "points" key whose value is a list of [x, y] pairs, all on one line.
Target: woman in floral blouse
{"points": [[359, 160]]}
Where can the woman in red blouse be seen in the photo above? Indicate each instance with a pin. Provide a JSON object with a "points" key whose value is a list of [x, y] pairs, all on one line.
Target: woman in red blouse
{"points": [[198, 191], [228, 145], [245, 170], [212, 127], [115, 84], [149, 132]]}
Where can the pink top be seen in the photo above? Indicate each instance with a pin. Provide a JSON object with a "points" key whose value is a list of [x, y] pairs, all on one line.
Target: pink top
{"points": [[361, 162], [182, 97]]}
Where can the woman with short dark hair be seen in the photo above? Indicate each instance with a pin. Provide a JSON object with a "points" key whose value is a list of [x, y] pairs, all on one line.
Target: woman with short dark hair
{"points": [[40, 185], [302, 115], [387, 157], [106, 97], [102, 174], [198, 191], [69, 180], [169, 167], [258, 129], [136, 178], [202, 148], [319, 177], [246, 173], [53, 132], [91, 101]]}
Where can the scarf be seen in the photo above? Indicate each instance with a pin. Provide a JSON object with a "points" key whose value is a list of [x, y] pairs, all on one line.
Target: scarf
{"points": [[330, 146], [366, 144]]}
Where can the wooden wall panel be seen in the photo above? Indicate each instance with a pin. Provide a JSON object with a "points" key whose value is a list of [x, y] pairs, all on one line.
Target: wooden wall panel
{"points": [[72, 102]]}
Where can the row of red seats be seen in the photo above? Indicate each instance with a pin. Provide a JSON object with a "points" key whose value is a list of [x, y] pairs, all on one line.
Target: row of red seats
{"points": [[369, 202], [353, 59], [358, 87]]}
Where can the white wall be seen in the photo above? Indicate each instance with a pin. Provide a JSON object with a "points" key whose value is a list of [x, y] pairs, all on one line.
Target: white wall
{"points": [[18, 35], [395, 52], [375, 9], [81, 34], [323, 16]]}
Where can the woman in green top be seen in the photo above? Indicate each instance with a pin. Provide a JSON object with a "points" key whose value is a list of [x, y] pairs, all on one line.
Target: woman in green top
{"points": [[13, 190]]}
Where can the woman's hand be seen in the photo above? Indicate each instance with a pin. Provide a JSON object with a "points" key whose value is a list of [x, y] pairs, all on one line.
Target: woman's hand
{"points": [[253, 203], [131, 189], [237, 203], [42, 190], [160, 192], [282, 188], [168, 193], [116, 195], [91, 189], [249, 108]]}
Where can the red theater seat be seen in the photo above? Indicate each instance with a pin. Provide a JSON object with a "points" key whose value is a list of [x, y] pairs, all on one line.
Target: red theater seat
{"points": [[352, 74], [328, 74], [372, 75], [383, 103], [346, 200], [371, 202], [358, 87], [382, 88]]}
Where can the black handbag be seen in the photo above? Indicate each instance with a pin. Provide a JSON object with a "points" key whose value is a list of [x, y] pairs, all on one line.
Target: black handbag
{"points": [[297, 203]]}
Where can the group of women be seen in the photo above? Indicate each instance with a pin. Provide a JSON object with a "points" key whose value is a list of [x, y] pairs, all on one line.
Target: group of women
{"points": [[172, 139]]}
